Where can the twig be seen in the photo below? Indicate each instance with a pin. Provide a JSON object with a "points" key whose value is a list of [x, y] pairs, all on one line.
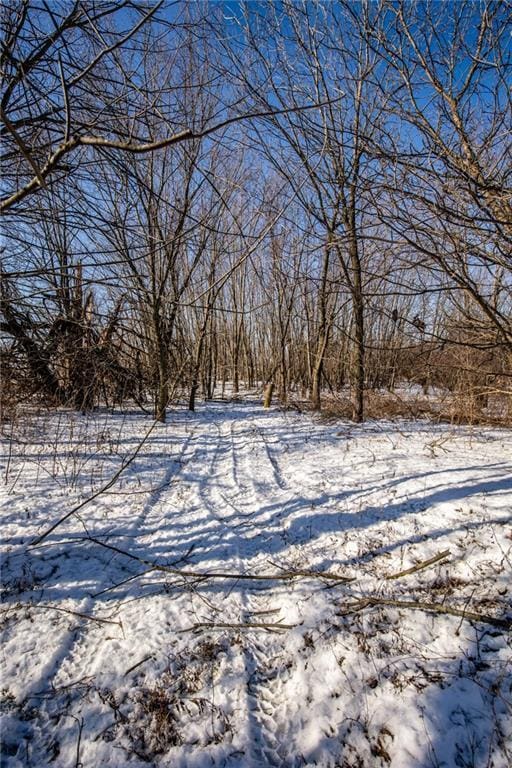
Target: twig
{"points": [[370, 602], [314, 574], [104, 730], [63, 610], [67, 124], [95, 495], [80, 723], [457, 631], [23, 148], [134, 576], [264, 613], [79, 763], [424, 564], [276, 627], [139, 663], [281, 576], [79, 614], [120, 583]]}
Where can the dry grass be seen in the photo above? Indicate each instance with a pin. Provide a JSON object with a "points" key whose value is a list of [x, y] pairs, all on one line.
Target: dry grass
{"points": [[447, 407]]}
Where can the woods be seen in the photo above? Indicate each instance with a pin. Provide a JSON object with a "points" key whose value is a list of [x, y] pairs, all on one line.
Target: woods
{"points": [[256, 369], [314, 194]]}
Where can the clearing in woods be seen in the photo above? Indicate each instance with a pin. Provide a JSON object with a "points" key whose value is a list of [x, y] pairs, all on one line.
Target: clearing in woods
{"points": [[111, 661]]}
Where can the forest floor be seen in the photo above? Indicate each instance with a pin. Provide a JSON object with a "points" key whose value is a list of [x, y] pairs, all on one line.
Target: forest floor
{"points": [[327, 661]]}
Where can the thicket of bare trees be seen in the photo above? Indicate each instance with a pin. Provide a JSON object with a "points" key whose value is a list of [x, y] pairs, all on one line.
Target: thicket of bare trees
{"points": [[317, 195]]}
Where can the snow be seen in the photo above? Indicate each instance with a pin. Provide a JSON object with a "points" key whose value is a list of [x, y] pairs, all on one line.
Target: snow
{"points": [[237, 489]]}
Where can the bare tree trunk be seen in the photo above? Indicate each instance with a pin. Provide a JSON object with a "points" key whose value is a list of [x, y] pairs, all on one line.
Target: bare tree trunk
{"points": [[196, 366], [162, 395], [267, 395], [236, 357], [162, 369], [359, 338], [324, 328], [316, 383]]}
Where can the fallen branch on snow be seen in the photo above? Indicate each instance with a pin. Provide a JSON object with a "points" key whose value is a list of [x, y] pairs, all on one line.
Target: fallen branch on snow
{"points": [[139, 663], [371, 602], [275, 627], [424, 564], [126, 463], [281, 576], [47, 606]]}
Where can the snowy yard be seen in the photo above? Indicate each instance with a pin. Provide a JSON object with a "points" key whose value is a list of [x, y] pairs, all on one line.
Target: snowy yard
{"points": [[111, 661]]}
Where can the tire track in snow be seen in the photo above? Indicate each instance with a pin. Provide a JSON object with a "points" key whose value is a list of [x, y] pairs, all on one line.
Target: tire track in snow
{"points": [[226, 479], [232, 497], [265, 676], [77, 655], [263, 694], [211, 478], [175, 468], [160, 495], [240, 454], [268, 705], [242, 605], [261, 488], [224, 464], [272, 459]]}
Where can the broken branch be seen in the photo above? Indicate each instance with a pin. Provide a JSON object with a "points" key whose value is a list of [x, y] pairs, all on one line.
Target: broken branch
{"points": [[371, 602], [424, 564], [276, 627], [281, 576]]}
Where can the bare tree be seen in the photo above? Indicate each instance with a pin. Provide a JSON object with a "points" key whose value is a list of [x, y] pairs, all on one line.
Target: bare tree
{"points": [[450, 194], [317, 50]]}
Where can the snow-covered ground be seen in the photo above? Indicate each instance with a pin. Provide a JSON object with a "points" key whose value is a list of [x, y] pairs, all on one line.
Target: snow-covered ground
{"points": [[109, 661]]}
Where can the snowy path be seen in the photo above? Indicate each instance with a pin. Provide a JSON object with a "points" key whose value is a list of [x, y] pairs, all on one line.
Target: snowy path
{"points": [[238, 489]]}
